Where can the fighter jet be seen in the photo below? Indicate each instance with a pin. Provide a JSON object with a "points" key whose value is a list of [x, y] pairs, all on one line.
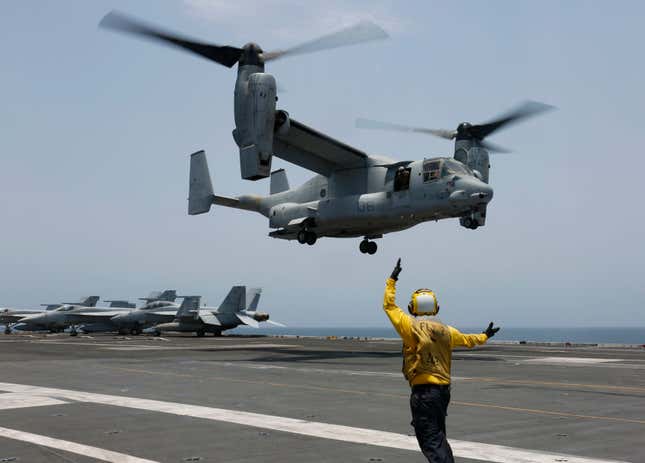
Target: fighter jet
{"points": [[233, 312], [53, 319], [22, 319], [124, 317]]}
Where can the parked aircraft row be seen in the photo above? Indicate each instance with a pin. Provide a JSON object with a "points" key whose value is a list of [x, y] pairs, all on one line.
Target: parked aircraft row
{"points": [[159, 313]]}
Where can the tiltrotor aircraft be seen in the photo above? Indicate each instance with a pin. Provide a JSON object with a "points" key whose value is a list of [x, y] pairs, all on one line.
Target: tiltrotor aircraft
{"points": [[354, 194]]}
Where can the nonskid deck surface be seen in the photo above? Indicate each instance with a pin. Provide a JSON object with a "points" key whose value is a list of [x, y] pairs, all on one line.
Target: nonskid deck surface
{"points": [[251, 399]]}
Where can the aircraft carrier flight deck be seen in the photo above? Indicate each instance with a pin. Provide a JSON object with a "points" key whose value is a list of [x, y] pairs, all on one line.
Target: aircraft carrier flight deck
{"points": [[249, 399]]}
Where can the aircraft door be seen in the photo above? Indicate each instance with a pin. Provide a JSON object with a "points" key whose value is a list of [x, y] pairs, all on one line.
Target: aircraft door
{"points": [[401, 187]]}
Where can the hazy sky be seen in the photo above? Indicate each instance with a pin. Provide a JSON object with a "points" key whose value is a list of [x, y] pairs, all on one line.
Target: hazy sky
{"points": [[96, 128]]}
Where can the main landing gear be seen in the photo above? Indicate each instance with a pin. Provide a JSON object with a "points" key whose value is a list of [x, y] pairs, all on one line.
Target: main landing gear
{"points": [[368, 247], [306, 236], [7, 329], [470, 223]]}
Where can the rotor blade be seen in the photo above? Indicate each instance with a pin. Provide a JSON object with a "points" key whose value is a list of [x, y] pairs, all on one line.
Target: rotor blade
{"points": [[525, 110], [364, 31], [378, 125], [224, 55], [493, 148]]}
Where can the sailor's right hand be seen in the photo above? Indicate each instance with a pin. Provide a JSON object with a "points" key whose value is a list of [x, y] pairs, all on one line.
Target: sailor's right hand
{"points": [[397, 270]]}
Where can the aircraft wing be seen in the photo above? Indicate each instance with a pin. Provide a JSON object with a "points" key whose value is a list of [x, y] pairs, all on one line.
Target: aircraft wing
{"points": [[163, 313], [106, 313], [315, 151], [209, 319]]}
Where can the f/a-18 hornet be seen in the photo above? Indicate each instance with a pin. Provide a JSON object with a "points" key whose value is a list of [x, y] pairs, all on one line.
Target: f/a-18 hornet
{"points": [[355, 194], [238, 308]]}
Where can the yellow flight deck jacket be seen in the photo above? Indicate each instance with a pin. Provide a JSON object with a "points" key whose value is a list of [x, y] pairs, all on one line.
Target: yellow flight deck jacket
{"points": [[427, 344]]}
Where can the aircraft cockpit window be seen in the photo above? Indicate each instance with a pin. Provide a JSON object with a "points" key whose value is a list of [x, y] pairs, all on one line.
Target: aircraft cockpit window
{"points": [[402, 179], [431, 170], [452, 167]]}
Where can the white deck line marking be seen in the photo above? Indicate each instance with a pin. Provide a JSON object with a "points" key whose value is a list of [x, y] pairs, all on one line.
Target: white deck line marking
{"points": [[22, 400], [573, 360], [72, 447], [464, 449]]}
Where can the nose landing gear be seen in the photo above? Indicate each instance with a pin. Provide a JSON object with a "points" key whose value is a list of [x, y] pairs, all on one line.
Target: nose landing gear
{"points": [[368, 247]]}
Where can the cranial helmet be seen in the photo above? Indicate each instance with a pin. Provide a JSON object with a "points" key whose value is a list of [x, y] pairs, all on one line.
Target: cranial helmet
{"points": [[423, 302]]}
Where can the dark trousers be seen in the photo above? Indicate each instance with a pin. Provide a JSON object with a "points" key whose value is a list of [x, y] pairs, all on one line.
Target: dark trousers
{"points": [[429, 405]]}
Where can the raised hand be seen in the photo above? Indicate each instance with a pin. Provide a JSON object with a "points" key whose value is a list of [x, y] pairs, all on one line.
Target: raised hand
{"points": [[397, 270]]}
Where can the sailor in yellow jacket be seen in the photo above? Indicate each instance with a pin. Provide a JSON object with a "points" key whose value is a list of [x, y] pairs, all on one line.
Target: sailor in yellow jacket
{"points": [[427, 354]]}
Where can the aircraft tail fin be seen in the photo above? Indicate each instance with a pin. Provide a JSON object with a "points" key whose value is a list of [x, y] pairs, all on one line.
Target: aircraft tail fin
{"points": [[189, 307], [234, 301], [279, 182], [200, 189], [253, 299]]}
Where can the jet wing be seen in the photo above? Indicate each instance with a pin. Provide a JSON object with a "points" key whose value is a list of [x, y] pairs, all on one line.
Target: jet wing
{"points": [[247, 320], [315, 151], [209, 319], [93, 317], [163, 313]]}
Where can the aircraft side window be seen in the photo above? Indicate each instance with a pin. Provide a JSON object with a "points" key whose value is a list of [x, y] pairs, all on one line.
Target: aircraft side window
{"points": [[402, 179], [431, 171], [323, 193]]}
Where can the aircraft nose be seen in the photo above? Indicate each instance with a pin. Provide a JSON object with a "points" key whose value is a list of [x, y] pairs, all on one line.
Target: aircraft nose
{"points": [[483, 191], [479, 191]]}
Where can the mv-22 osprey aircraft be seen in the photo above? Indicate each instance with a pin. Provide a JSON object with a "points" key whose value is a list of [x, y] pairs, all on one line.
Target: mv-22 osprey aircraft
{"points": [[354, 194]]}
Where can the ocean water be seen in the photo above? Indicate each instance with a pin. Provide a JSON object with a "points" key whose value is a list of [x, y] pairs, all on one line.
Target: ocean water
{"points": [[611, 335]]}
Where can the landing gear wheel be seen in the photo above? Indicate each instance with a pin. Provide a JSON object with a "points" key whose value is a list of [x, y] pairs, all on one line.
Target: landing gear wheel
{"points": [[200, 333], [157, 333], [217, 334], [371, 247], [123, 332], [368, 247], [363, 246], [311, 238], [302, 237], [73, 333], [7, 330], [468, 222], [135, 331]]}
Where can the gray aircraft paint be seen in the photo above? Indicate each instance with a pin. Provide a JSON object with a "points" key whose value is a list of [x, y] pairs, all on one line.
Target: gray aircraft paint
{"points": [[238, 308]]}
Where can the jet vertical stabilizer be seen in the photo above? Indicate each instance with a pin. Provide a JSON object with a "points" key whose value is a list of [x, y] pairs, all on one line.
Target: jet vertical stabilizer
{"points": [[253, 299], [234, 301], [189, 307]]}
